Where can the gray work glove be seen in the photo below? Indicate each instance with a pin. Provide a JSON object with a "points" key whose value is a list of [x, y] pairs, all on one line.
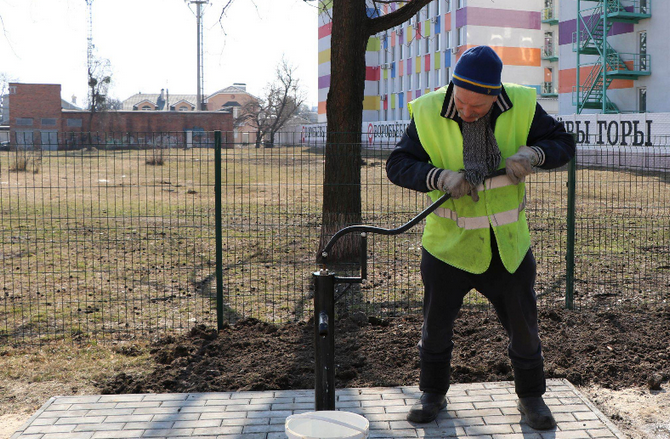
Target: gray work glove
{"points": [[520, 165], [455, 184]]}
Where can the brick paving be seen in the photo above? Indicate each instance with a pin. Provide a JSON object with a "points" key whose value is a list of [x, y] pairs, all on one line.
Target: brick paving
{"points": [[478, 411]]}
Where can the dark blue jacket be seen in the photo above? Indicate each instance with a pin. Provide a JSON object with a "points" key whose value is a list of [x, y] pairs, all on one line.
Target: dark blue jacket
{"points": [[408, 165]]}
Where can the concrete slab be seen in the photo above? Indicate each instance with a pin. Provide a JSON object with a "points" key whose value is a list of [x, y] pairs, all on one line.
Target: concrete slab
{"points": [[478, 410]]}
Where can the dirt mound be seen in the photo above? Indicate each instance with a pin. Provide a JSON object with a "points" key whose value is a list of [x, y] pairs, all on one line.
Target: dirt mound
{"points": [[610, 348]]}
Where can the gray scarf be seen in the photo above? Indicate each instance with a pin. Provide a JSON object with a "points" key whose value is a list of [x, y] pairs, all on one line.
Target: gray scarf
{"points": [[481, 154]]}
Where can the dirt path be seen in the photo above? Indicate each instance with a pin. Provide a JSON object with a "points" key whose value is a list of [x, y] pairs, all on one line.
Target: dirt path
{"points": [[638, 412], [10, 423]]}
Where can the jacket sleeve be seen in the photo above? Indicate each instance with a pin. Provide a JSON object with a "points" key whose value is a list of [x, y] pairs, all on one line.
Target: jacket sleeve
{"points": [[548, 138], [409, 164]]}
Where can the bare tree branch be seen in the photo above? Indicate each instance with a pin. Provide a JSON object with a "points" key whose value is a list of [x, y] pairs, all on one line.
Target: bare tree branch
{"points": [[225, 8], [395, 18], [281, 101]]}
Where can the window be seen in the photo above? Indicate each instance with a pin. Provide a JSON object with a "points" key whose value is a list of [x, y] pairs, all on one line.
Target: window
{"points": [[145, 108], [417, 81], [50, 122], [12, 90], [447, 40], [460, 36], [427, 45], [447, 4], [643, 7], [409, 50], [642, 99], [427, 74], [643, 50], [24, 121], [447, 75], [548, 44], [437, 43], [74, 123], [437, 7], [460, 4]]}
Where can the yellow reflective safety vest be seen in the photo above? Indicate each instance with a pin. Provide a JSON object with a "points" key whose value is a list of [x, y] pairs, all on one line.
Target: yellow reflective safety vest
{"points": [[458, 232]]}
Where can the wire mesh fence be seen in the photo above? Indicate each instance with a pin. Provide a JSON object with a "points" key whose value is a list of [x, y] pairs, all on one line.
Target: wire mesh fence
{"points": [[116, 240], [112, 240]]}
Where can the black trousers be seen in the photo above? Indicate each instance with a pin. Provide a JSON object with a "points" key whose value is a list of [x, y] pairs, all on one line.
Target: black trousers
{"points": [[513, 298]]}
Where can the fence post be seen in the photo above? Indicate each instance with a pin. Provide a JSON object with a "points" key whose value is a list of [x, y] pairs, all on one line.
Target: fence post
{"points": [[219, 230], [570, 250]]}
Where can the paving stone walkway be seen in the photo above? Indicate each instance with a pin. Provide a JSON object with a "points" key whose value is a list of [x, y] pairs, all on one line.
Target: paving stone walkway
{"points": [[480, 410]]}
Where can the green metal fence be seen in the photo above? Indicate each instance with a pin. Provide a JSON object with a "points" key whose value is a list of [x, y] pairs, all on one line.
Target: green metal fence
{"points": [[118, 239]]}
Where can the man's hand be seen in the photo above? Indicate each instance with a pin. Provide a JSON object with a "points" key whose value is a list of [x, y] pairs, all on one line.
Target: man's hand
{"points": [[455, 184], [521, 164]]}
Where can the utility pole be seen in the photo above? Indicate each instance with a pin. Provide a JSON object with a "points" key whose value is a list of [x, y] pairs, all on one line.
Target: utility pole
{"points": [[200, 74], [89, 51]]}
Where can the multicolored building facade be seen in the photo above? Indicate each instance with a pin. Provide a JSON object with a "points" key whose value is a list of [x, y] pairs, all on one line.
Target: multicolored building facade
{"points": [[418, 56]]}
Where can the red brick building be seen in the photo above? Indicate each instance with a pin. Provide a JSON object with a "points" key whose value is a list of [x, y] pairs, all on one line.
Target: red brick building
{"points": [[38, 117]]}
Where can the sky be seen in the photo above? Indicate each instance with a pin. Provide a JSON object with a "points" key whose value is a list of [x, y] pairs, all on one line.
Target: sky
{"points": [[151, 44]]}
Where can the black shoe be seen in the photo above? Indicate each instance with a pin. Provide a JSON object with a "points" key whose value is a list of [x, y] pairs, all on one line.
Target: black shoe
{"points": [[427, 408], [538, 415]]}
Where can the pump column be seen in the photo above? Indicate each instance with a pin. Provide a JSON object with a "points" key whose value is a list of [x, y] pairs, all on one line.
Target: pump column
{"points": [[324, 339]]}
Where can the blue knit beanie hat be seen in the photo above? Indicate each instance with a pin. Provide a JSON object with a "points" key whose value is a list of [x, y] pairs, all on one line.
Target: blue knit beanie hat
{"points": [[479, 70]]}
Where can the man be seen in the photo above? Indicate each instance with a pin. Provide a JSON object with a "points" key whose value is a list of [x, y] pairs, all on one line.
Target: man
{"points": [[479, 238]]}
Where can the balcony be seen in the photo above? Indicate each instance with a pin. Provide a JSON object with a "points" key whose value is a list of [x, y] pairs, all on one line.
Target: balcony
{"points": [[549, 16], [549, 53], [631, 12], [628, 65], [548, 90]]}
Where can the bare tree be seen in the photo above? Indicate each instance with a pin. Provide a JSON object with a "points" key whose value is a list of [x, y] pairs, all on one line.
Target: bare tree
{"points": [[254, 113], [351, 29], [282, 99], [99, 80], [285, 98], [4, 90]]}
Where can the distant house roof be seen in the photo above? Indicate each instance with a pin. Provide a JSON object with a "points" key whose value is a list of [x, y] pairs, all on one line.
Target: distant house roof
{"points": [[172, 99], [130, 103], [228, 90], [65, 105], [183, 101], [144, 101]]}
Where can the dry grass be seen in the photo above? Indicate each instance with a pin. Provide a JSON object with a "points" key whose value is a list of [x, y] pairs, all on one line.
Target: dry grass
{"points": [[26, 161], [29, 376]]}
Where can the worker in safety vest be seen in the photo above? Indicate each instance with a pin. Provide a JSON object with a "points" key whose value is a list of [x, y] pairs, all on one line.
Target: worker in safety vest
{"points": [[479, 238]]}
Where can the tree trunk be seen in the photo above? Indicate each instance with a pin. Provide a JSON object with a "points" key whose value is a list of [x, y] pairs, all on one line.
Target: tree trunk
{"points": [[342, 177]]}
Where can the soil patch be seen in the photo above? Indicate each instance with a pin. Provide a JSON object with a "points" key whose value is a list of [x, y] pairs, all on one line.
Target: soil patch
{"points": [[612, 349]]}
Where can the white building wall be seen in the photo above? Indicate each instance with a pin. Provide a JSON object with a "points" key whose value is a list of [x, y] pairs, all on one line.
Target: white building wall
{"points": [[627, 99]]}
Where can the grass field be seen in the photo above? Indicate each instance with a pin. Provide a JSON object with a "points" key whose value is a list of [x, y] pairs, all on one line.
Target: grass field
{"points": [[98, 245]]}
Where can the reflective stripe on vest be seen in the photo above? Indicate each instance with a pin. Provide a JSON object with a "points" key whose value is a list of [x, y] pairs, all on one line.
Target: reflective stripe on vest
{"points": [[496, 182], [482, 222]]}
